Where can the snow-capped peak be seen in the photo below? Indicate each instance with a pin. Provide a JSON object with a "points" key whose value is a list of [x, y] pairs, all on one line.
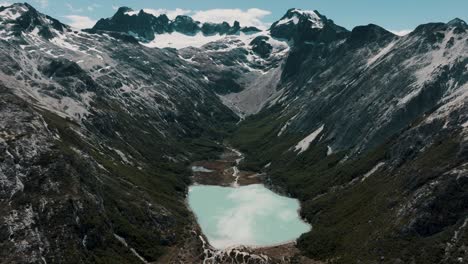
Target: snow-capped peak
{"points": [[12, 12], [295, 15], [18, 19]]}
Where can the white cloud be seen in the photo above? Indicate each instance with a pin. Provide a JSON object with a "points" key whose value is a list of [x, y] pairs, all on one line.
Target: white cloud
{"points": [[5, 3], [250, 17], [80, 21], [42, 3], [115, 7], [73, 9], [401, 32]]}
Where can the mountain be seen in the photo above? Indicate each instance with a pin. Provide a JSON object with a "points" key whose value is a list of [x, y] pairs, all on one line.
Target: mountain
{"points": [[370, 132], [97, 133], [146, 27], [99, 127], [303, 25], [23, 18]]}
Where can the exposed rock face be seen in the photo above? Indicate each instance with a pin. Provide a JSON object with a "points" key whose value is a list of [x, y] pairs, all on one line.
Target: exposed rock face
{"points": [[97, 130], [143, 25], [23, 18], [261, 46], [386, 118]]}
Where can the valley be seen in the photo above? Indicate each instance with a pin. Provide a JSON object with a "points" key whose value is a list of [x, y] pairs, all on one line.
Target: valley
{"points": [[224, 171], [106, 132]]}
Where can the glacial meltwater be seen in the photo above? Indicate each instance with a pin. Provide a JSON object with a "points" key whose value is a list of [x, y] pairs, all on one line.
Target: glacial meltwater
{"points": [[248, 215]]}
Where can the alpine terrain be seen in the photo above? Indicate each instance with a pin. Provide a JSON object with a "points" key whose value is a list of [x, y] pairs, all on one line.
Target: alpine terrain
{"points": [[103, 130]]}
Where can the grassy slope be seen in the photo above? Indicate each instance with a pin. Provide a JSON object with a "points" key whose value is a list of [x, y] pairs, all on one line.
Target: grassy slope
{"points": [[125, 190]]}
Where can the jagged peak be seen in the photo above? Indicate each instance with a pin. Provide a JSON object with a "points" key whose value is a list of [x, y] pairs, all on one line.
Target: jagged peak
{"points": [[14, 11], [302, 12], [457, 22], [294, 16], [124, 10], [131, 12], [21, 18], [429, 28], [145, 24], [306, 25], [25, 6]]}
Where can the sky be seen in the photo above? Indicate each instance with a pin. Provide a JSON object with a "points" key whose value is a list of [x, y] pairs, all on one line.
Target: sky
{"points": [[395, 15]]}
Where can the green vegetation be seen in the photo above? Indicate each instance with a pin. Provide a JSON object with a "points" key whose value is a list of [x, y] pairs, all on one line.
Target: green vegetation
{"points": [[140, 199], [354, 221]]}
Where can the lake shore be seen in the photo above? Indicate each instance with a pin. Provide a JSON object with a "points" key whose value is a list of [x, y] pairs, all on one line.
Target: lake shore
{"points": [[224, 172]]}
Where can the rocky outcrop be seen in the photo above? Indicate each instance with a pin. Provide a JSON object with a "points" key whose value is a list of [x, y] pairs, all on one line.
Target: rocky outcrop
{"points": [[145, 26]]}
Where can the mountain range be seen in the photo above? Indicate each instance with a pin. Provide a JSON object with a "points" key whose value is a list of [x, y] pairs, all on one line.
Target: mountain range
{"points": [[98, 128]]}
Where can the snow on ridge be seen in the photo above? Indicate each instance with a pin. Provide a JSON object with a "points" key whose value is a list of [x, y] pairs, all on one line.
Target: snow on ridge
{"points": [[12, 12], [294, 20], [132, 13], [452, 102], [312, 16], [134, 252], [304, 144], [382, 53], [200, 169], [465, 125], [179, 40], [310, 13], [433, 61]]}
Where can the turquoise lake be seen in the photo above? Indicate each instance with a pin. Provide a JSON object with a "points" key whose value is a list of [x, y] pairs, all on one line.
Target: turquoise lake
{"points": [[249, 215]]}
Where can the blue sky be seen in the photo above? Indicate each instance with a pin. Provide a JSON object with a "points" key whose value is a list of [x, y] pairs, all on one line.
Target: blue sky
{"points": [[394, 15]]}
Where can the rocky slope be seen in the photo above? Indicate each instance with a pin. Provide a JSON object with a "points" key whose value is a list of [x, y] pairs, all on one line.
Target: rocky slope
{"points": [[96, 136], [98, 128], [369, 130]]}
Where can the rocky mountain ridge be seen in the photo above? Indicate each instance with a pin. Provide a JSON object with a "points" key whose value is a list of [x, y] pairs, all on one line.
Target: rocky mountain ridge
{"points": [[146, 26]]}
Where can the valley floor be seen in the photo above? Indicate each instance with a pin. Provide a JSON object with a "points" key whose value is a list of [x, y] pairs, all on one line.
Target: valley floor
{"points": [[195, 249]]}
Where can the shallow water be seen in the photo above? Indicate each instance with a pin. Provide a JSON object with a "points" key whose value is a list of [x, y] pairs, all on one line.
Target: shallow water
{"points": [[249, 215]]}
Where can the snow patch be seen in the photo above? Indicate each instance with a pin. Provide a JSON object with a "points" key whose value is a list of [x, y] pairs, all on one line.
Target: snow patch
{"points": [[135, 253], [383, 52], [200, 169], [329, 150], [433, 61], [293, 20], [12, 13], [304, 144], [372, 171], [452, 102], [122, 156]]}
